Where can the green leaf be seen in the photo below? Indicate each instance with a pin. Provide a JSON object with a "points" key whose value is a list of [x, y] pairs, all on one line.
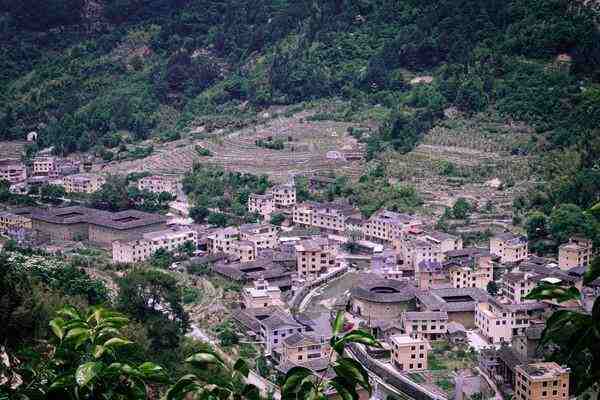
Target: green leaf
{"points": [[98, 351], [294, 378], [551, 291], [87, 372], [62, 382], [359, 336], [57, 325], [242, 367], [78, 336], [344, 390], [352, 371], [116, 342], [201, 359], [186, 384], [593, 271], [338, 323], [69, 311], [153, 371]]}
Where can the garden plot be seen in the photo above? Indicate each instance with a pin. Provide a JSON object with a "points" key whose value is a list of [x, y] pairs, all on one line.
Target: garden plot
{"points": [[12, 149], [309, 147]]}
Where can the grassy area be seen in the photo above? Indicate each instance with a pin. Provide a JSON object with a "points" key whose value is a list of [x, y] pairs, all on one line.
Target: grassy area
{"points": [[416, 377], [443, 356], [446, 385]]}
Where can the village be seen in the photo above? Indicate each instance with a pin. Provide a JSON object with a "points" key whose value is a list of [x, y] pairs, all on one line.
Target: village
{"points": [[454, 320]]}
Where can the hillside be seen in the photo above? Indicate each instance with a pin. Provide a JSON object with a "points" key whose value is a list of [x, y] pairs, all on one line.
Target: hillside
{"points": [[92, 75]]}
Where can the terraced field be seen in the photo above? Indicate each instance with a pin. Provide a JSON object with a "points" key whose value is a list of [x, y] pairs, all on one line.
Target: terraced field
{"points": [[12, 149], [310, 147]]}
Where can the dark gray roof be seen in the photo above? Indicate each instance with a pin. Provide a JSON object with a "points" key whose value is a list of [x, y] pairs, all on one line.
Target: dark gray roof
{"points": [[380, 290], [455, 327], [449, 299], [279, 320], [467, 252], [122, 220]]}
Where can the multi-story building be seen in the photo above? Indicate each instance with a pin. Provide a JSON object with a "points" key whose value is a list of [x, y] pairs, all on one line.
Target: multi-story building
{"points": [[576, 253], [432, 275], [261, 295], [245, 250], [470, 268], [541, 381], [11, 220], [223, 240], [314, 257], [262, 204], [387, 225], [516, 285], [264, 236], [142, 248], [83, 183], [284, 196], [498, 320], [13, 171], [44, 165], [275, 328], [160, 184], [430, 325], [509, 247], [303, 348], [328, 217], [409, 353]]}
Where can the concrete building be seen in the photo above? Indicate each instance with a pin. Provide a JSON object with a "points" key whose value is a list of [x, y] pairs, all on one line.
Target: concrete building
{"points": [[300, 348], [470, 268], [83, 183], [159, 184], [261, 294], [387, 225], [44, 165], [275, 328], [245, 250], [99, 227], [264, 236], [142, 248], [430, 325], [223, 240], [13, 220], [509, 247], [314, 257], [13, 171], [432, 275], [541, 381], [458, 303], [262, 204], [409, 354], [284, 196], [328, 217], [577, 252], [498, 320], [516, 285]]}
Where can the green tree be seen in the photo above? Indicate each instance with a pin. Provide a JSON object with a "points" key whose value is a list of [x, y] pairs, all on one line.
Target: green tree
{"points": [[161, 258], [461, 208], [199, 214], [492, 288], [277, 219], [568, 220], [52, 193], [536, 225], [217, 219]]}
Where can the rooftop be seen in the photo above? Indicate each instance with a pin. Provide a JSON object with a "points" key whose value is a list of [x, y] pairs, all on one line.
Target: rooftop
{"points": [[425, 315], [122, 220], [543, 370], [373, 288], [405, 340], [452, 299]]}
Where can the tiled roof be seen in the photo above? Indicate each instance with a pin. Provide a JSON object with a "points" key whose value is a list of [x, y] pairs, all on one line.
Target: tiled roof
{"points": [[425, 315], [373, 288]]}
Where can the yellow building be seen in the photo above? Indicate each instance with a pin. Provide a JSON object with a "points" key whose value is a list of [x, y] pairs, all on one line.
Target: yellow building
{"points": [[284, 196], [9, 220], [83, 183], [509, 247], [223, 240], [576, 253], [314, 257], [328, 217], [262, 204], [387, 225], [142, 248], [301, 348], [44, 165], [245, 250], [159, 184], [498, 321], [13, 171], [409, 353], [541, 381], [261, 295], [264, 236]]}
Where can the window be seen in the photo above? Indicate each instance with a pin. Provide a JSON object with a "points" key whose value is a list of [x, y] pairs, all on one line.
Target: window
{"points": [[300, 357], [544, 393], [419, 365], [411, 366]]}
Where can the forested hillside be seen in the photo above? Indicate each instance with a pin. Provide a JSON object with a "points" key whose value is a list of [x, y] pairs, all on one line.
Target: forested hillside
{"points": [[88, 73]]}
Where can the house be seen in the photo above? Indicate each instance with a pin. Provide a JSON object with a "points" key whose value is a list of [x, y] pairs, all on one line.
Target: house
{"points": [[43, 165], [300, 348], [12, 220], [13, 171], [260, 294], [459, 303], [387, 225], [409, 354], [469, 268], [509, 247], [432, 275], [264, 236], [328, 217], [262, 204], [430, 325], [314, 257], [577, 252], [222, 240], [275, 328], [245, 250], [142, 248], [498, 320], [83, 183], [160, 183], [284, 196], [541, 381]]}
